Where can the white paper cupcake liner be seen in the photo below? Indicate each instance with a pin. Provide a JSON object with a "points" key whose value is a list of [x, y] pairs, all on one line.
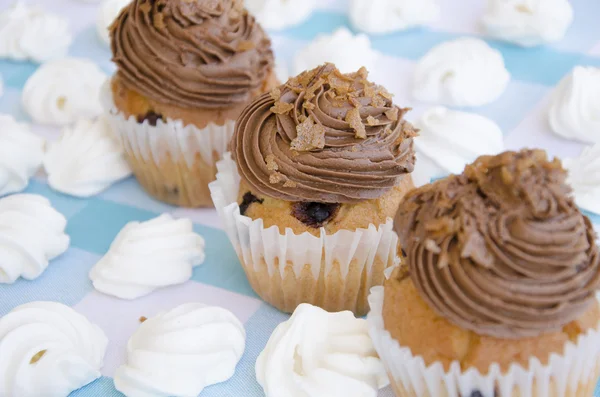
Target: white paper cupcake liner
{"points": [[153, 143], [560, 377], [254, 243]]}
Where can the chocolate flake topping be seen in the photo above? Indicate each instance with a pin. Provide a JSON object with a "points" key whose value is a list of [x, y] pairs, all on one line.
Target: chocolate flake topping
{"points": [[281, 107], [271, 163], [502, 249], [335, 138], [310, 136]]}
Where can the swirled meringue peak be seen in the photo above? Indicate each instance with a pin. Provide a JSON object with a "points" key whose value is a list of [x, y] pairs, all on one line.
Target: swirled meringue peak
{"points": [[107, 13], [450, 139], [30, 33], [462, 72], [280, 14], [584, 178], [191, 53], [575, 106], [316, 353], [21, 153], [528, 22], [386, 16], [182, 351], [48, 349], [349, 52], [149, 255], [501, 249], [31, 234], [61, 92], [324, 136], [86, 159]]}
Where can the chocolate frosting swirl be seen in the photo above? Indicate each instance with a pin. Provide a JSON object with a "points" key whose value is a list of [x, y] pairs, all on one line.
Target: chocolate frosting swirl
{"points": [[191, 53], [501, 250], [324, 137]]}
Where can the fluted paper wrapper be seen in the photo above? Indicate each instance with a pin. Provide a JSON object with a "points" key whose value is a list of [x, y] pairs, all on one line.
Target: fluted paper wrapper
{"points": [[572, 374], [173, 161], [334, 271]]}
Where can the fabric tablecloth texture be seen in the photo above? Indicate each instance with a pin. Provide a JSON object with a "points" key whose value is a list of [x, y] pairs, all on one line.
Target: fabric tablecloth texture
{"points": [[93, 223]]}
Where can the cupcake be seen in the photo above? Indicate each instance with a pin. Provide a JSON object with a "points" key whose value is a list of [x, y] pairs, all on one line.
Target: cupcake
{"points": [[321, 164], [497, 296], [185, 71]]}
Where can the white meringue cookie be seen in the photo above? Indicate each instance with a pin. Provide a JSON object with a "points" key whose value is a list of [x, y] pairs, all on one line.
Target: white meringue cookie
{"points": [[316, 353], [21, 153], [31, 234], [462, 72], [347, 51], [575, 106], [584, 178], [385, 16], [528, 22], [180, 352], [149, 255], [87, 159], [448, 140], [28, 32], [61, 92], [107, 13], [48, 349], [280, 14]]}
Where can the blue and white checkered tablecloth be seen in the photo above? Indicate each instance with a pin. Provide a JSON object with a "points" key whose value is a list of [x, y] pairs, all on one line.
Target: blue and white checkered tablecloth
{"points": [[93, 223]]}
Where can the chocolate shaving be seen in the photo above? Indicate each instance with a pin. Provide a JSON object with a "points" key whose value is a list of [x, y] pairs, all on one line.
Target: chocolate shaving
{"points": [[363, 72], [271, 164], [281, 107], [392, 114], [340, 83], [385, 93], [378, 101], [277, 177], [275, 94], [408, 131], [310, 91], [310, 136], [245, 45], [431, 246], [353, 118], [159, 21], [308, 105], [355, 102]]}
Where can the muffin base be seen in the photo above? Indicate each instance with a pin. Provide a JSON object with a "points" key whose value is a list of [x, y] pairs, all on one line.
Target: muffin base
{"points": [[332, 292], [349, 216], [584, 389], [573, 370], [175, 182], [410, 321], [334, 271], [174, 158]]}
